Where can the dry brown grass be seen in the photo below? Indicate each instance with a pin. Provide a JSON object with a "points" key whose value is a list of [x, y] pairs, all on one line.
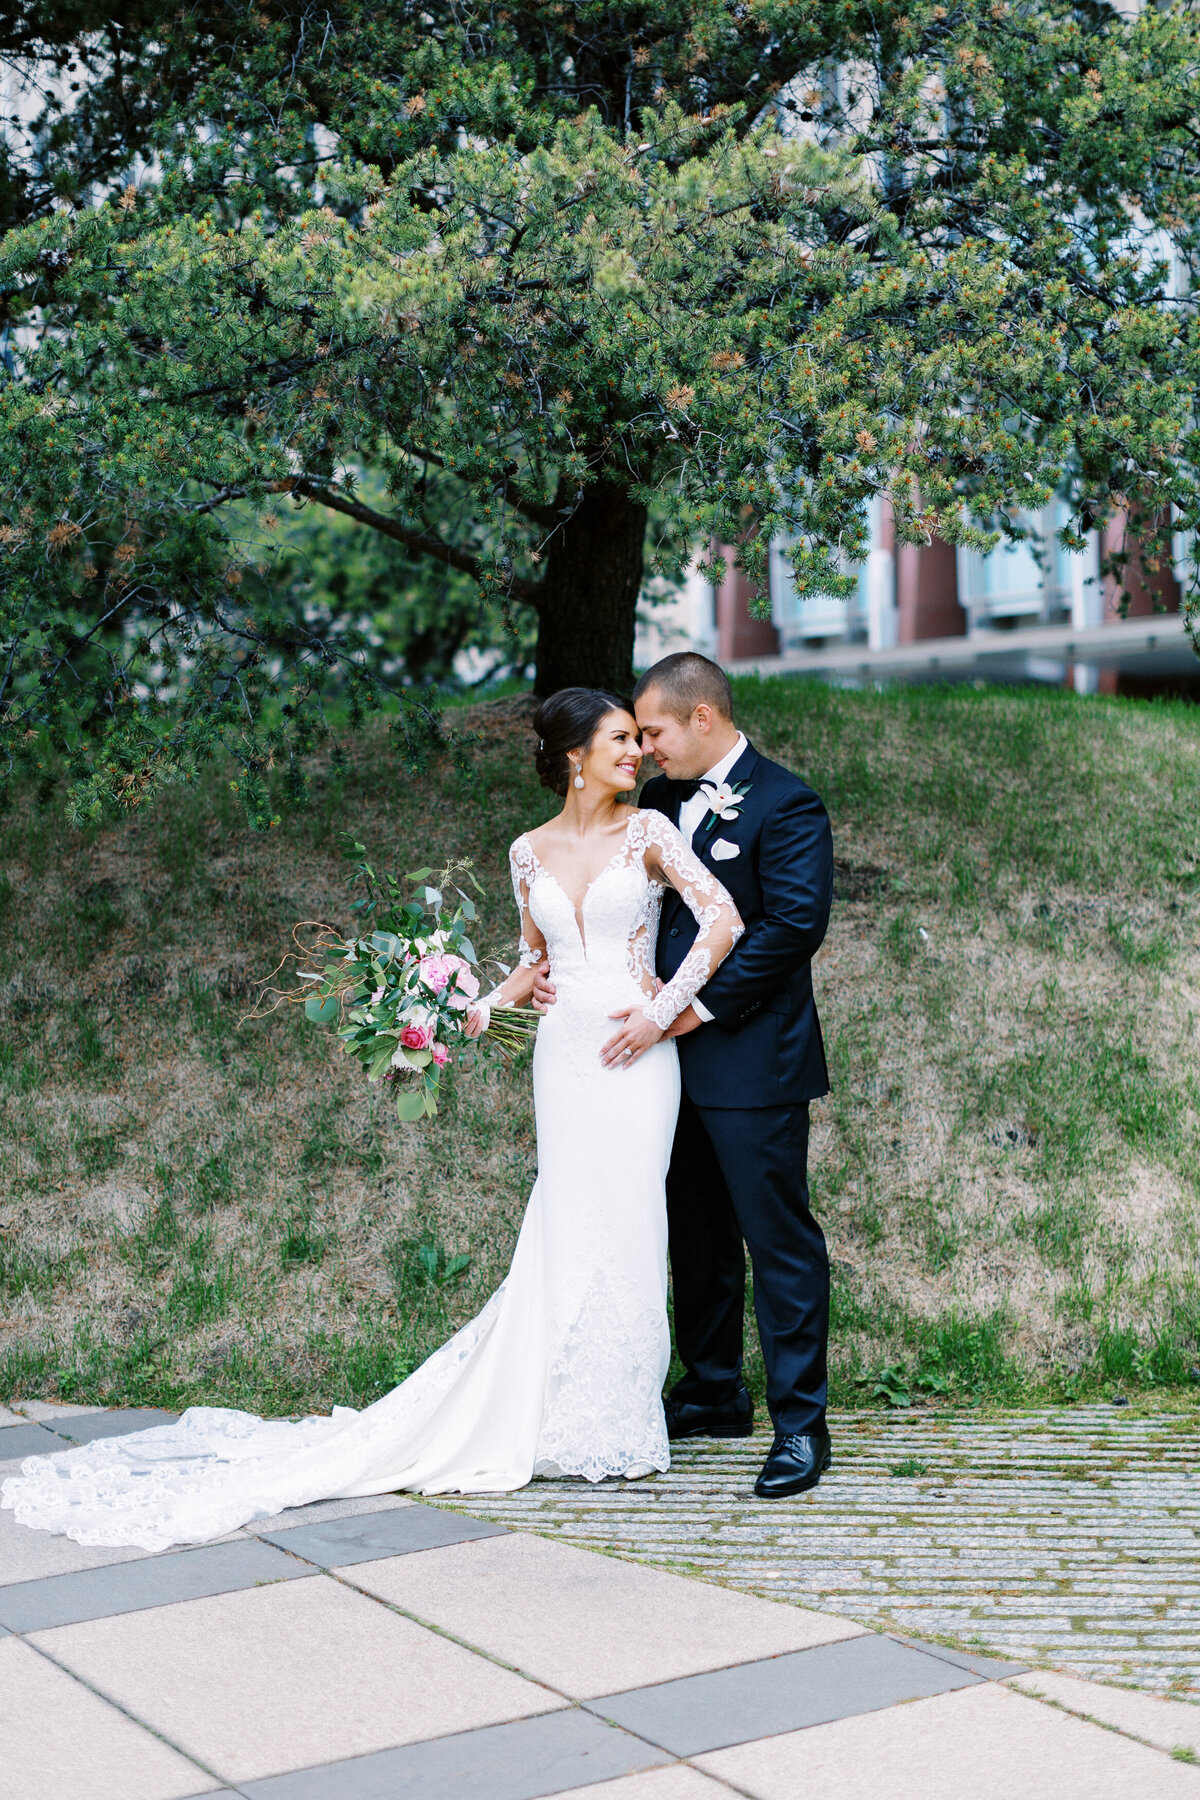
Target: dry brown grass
{"points": [[1006, 1169]]}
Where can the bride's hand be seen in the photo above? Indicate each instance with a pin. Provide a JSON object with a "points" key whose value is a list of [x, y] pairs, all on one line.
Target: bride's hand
{"points": [[637, 1035], [478, 1019]]}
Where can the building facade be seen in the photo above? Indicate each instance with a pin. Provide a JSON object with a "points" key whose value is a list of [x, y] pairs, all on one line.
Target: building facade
{"points": [[909, 593]]}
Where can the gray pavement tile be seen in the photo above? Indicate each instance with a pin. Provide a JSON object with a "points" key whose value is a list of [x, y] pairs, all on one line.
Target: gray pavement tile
{"points": [[522, 1761], [30, 1555], [53, 1409], [339, 1542], [20, 1441], [84, 1428], [154, 1581], [763, 1699], [990, 1667], [320, 1511]]}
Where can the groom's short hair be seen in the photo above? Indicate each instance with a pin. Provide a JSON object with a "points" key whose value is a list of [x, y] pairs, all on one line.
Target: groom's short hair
{"points": [[685, 681]]}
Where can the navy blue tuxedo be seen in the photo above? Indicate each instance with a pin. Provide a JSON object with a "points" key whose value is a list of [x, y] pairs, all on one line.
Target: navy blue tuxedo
{"points": [[764, 1047], [739, 1164]]}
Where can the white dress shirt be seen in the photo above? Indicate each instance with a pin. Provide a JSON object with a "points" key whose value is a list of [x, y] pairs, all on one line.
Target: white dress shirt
{"points": [[691, 814]]}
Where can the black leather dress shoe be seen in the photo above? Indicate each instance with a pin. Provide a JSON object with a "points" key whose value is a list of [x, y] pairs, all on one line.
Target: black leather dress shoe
{"points": [[733, 1418], [797, 1462]]}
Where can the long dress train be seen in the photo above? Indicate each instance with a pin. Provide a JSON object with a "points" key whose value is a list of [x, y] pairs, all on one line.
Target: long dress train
{"points": [[562, 1371]]}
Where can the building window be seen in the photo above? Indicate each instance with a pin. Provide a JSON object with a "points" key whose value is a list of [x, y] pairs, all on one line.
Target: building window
{"points": [[1029, 582]]}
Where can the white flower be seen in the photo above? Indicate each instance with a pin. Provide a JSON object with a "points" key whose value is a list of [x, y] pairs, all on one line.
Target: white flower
{"points": [[721, 799]]}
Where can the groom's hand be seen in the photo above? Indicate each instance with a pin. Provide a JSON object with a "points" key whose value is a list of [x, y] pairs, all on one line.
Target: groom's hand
{"points": [[543, 988], [687, 1021], [636, 1036]]}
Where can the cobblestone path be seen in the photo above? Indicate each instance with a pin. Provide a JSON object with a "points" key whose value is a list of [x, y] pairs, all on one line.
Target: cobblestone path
{"points": [[1068, 1537]]}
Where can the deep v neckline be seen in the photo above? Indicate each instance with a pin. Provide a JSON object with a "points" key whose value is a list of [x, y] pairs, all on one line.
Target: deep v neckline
{"points": [[577, 911]]}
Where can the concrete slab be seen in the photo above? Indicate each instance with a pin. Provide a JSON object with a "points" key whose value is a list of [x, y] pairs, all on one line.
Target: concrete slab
{"points": [[1170, 1724], [287, 1676], [321, 1510], [151, 1581], [587, 1624], [8, 1417], [509, 1762], [342, 1542], [28, 1555], [85, 1428], [24, 1439], [987, 1743], [992, 1668], [677, 1782], [54, 1409], [732, 1706], [58, 1741]]}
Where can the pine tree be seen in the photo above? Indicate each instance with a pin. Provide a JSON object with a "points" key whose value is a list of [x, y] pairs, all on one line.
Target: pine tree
{"points": [[503, 284]]}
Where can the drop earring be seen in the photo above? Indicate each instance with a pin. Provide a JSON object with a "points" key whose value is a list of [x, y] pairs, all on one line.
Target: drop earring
{"points": [[578, 782]]}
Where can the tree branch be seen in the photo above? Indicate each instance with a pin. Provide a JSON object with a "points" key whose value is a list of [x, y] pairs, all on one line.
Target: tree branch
{"points": [[421, 542]]}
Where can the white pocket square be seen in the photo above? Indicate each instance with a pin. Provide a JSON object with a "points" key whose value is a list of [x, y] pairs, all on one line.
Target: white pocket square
{"points": [[722, 850]]}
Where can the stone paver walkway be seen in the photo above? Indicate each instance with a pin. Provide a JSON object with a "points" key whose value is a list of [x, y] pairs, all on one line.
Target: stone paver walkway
{"points": [[1068, 1537], [387, 1649]]}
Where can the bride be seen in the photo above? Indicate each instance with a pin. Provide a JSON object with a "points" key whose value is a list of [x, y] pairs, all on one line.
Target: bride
{"points": [[562, 1371]]}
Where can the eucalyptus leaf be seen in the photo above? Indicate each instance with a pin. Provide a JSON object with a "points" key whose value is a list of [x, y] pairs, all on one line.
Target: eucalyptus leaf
{"points": [[410, 1106], [321, 1011]]}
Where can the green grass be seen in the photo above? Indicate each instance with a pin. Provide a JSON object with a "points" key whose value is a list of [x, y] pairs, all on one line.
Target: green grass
{"points": [[1007, 1169]]}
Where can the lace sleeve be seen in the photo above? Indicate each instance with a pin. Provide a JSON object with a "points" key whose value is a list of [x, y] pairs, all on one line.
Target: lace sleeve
{"points": [[671, 859], [521, 863]]}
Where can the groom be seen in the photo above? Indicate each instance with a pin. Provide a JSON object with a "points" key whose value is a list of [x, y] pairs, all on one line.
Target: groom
{"points": [[751, 1059]]}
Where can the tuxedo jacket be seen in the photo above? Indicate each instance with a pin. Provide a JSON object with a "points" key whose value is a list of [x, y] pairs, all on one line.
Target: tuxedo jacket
{"points": [[763, 1046]]}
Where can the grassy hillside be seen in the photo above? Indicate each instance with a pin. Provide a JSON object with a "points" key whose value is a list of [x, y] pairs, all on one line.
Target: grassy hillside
{"points": [[1007, 1169]]}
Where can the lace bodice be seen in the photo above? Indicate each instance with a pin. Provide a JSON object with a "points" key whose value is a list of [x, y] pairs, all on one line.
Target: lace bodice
{"points": [[620, 912]]}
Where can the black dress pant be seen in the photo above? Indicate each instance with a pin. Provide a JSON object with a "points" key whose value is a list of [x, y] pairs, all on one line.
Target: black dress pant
{"points": [[744, 1175]]}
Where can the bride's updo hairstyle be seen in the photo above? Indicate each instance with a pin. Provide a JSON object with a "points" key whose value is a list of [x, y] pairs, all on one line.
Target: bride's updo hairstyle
{"points": [[568, 721]]}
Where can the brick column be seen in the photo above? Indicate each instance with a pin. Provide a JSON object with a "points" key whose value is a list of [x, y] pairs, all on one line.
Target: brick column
{"points": [[1152, 590], [739, 635], [927, 592]]}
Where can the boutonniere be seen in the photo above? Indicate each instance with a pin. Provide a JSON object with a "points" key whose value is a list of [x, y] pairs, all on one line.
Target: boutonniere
{"points": [[724, 800]]}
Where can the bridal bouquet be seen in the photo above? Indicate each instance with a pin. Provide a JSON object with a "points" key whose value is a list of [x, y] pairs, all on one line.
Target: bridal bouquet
{"points": [[398, 994]]}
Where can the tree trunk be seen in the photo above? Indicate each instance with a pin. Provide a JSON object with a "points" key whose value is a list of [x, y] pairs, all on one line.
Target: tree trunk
{"points": [[588, 600]]}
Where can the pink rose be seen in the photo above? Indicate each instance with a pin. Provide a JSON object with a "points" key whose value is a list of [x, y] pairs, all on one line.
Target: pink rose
{"points": [[417, 1037], [441, 1055], [442, 971]]}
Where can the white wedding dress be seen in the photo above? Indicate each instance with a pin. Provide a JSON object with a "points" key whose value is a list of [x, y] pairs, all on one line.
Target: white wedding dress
{"points": [[562, 1371]]}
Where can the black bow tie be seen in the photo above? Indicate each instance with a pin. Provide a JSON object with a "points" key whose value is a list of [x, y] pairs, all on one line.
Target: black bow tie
{"points": [[688, 789]]}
